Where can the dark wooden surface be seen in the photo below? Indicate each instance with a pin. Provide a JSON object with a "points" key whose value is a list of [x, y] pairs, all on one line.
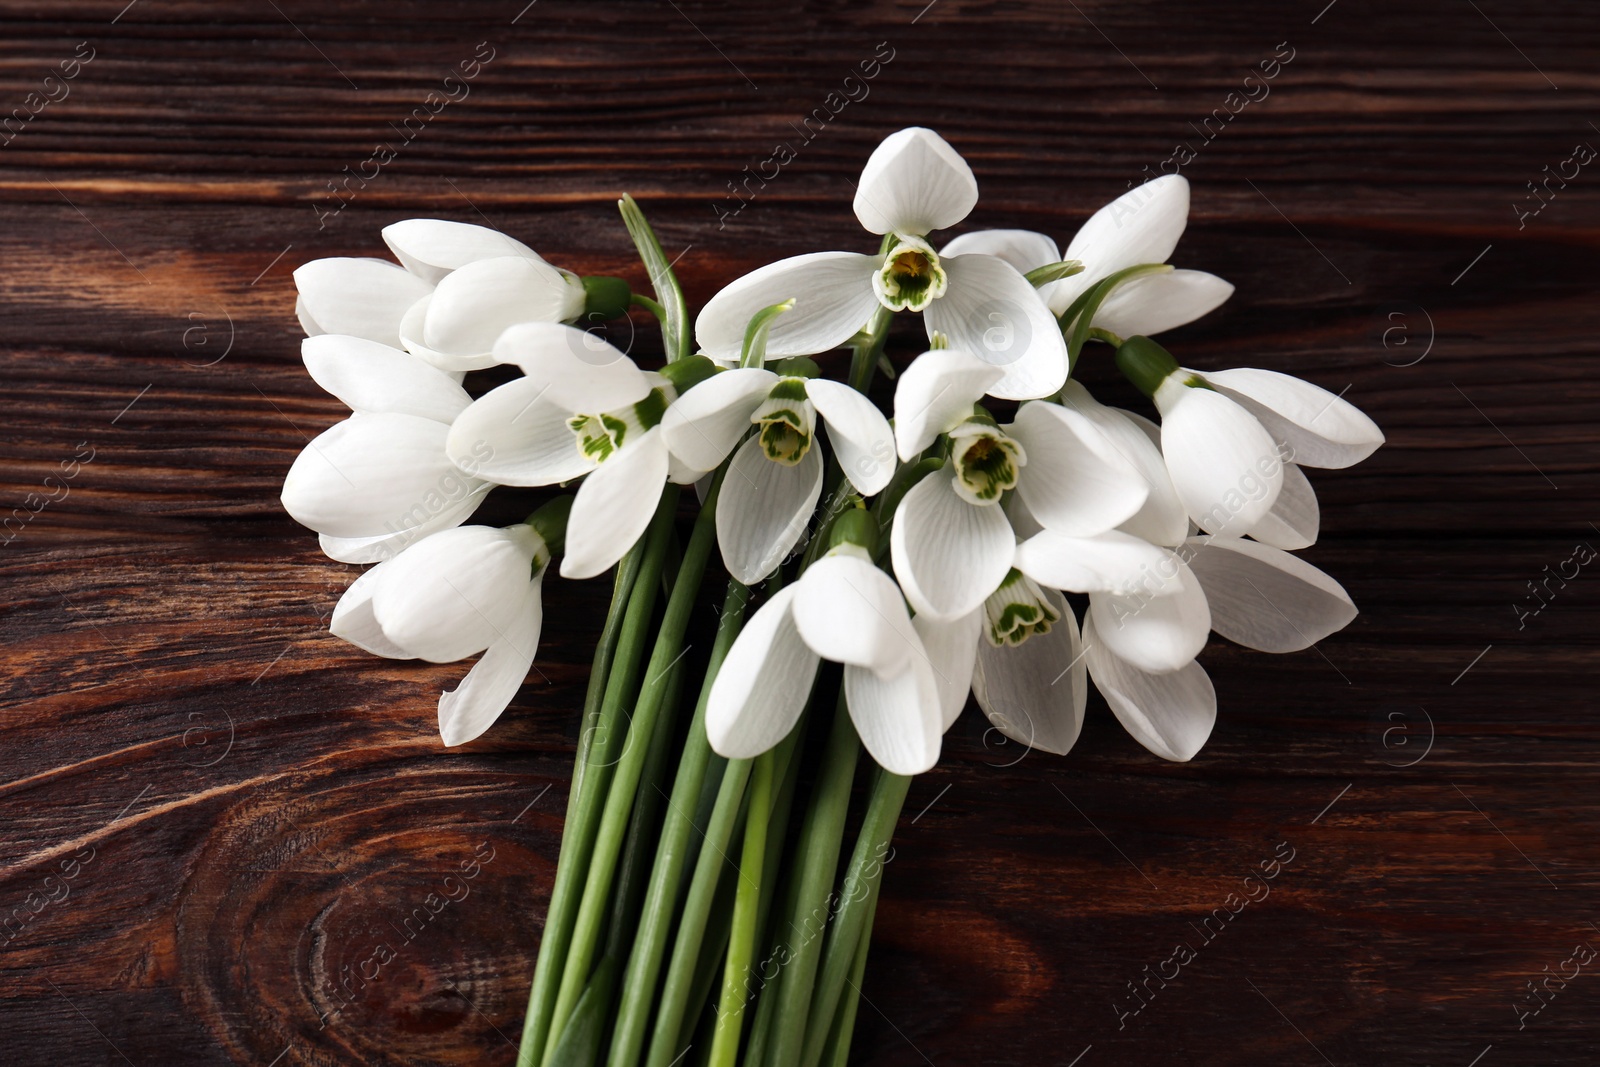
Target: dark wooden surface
{"points": [[255, 806]]}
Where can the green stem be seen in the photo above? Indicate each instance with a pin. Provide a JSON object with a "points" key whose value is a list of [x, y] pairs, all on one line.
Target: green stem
{"points": [[620, 798], [864, 358], [1078, 319], [621, 648], [643, 827], [675, 994], [837, 1052], [650, 942], [849, 925], [766, 1004], [746, 907], [818, 861], [652, 306]]}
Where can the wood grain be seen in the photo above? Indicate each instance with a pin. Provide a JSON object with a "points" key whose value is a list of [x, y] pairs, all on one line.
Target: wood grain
{"points": [[250, 808]]}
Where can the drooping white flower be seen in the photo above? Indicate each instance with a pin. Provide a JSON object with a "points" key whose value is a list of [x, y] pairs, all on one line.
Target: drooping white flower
{"points": [[913, 183], [775, 478], [1140, 227], [456, 288], [1228, 436], [381, 479], [582, 408], [452, 595], [952, 543], [845, 609]]}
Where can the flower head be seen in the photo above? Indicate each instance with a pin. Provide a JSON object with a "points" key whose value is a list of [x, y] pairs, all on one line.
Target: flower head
{"points": [[913, 184], [452, 595]]}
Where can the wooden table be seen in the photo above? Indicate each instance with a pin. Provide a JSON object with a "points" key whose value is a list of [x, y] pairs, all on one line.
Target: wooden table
{"points": [[249, 807]]}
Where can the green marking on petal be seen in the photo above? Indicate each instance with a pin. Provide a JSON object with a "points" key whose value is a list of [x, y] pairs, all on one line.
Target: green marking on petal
{"points": [[1017, 611], [911, 277], [599, 436], [787, 421], [986, 461]]}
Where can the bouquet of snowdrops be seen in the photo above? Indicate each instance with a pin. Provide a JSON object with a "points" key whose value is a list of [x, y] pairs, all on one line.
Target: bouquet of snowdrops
{"points": [[705, 908]]}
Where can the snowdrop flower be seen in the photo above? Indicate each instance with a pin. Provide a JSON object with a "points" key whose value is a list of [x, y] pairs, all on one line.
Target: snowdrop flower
{"points": [[913, 183], [456, 288], [1140, 227], [581, 408], [845, 609], [952, 543], [1227, 437], [775, 478], [452, 595], [381, 479], [1257, 596]]}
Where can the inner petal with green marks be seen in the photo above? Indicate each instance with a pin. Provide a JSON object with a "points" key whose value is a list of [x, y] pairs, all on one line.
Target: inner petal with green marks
{"points": [[1017, 610], [911, 277], [986, 461], [600, 436], [787, 420]]}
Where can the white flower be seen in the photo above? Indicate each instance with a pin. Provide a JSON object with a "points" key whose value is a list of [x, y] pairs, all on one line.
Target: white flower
{"points": [[457, 288], [1229, 436], [381, 478], [951, 543], [847, 610], [582, 408], [1150, 610], [453, 595], [913, 183], [775, 478], [1142, 226]]}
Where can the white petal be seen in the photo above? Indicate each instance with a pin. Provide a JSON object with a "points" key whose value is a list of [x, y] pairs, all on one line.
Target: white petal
{"points": [[1264, 598], [372, 378], [1155, 303], [354, 622], [1226, 468], [948, 554], [1023, 249], [1295, 518], [913, 183], [469, 709], [581, 370], [614, 506], [851, 612], [704, 424], [361, 297], [452, 512], [1035, 692], [935, 393], [764, 508], [1170, 714], [1111, 562], [1154, 633], [432, 248], [862, 440], [517, 434], [1078, 479], [763, 685], [1140, 226], [898, 717], [454, 594], [303, 314], [372, 475], [833, 298], [474, 305], [951, 647], [993, 312], [1161, 520], [1322, 429], [453, 363]]}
